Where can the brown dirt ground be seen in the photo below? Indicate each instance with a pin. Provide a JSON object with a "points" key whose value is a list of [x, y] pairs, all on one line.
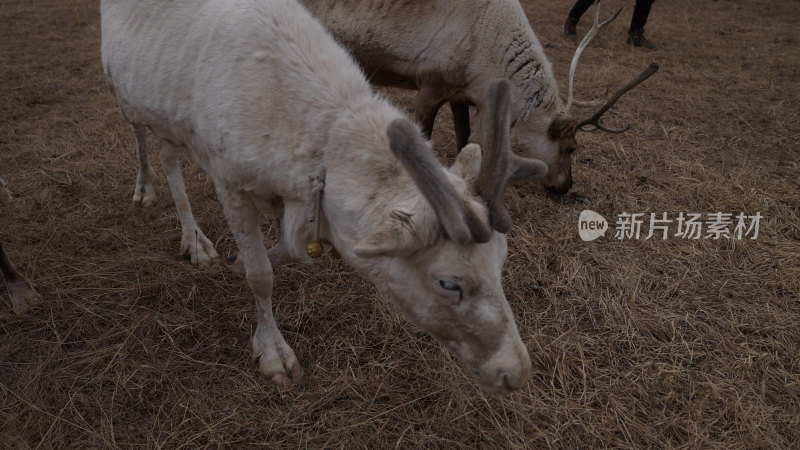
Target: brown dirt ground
{"points": [[634, 343]]}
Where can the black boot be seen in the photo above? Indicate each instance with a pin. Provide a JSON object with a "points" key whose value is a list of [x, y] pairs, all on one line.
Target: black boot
{"points": [[637, 39], [570, 25]]}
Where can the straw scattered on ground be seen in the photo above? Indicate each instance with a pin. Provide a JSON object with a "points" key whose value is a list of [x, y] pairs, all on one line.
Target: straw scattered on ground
{"points": [[634, 343]]}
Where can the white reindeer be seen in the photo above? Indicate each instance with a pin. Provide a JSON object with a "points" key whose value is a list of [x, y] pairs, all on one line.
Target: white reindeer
{"points": [[283, 121], [23, 295], [451, 51]]}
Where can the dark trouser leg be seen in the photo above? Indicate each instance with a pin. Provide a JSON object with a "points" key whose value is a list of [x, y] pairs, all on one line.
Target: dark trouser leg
{"points": [[580, 7], [640, 13]]}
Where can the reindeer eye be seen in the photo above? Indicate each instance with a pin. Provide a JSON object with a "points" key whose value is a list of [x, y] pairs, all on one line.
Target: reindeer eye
{"points": [[571, 150], [452, 287]]}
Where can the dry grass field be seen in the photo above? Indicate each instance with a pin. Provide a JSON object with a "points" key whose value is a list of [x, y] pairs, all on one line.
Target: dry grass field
{"points": [[634, 343]]}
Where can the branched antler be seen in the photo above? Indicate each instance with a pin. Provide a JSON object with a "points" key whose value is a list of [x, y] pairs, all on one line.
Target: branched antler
{"points": [[595, 119], [499, 165], [596, 27], [459, 221]]}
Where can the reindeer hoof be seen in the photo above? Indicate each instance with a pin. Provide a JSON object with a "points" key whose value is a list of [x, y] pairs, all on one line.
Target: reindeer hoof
{"points": [[297, 373], [235, 264]]}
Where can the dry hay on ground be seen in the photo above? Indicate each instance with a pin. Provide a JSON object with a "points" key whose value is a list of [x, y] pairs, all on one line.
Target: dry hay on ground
{"points": [[634, 343]]}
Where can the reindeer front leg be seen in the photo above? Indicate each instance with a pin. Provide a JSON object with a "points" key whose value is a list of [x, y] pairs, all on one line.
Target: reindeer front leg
{"points": [[429, 100], [276, 359]]}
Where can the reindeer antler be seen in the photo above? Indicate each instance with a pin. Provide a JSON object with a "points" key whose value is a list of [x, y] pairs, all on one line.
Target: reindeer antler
{"points": [[499, 165], [595, 119], [459, 221], [591, 34]]}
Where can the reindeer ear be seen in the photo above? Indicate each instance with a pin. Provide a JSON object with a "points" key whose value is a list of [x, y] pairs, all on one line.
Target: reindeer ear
{"points": [[468, 163], [394, 237]]}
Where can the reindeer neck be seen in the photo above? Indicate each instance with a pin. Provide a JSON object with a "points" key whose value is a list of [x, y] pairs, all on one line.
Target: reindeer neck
{"points": [[364, 181], [520, 58]]}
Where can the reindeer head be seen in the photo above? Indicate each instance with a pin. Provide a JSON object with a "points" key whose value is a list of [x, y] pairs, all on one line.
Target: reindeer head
{"points": [[557, 147], [440, 255]]}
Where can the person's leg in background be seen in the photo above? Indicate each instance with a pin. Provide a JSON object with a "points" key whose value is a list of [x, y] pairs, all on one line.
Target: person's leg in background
{"points": [[574, 16], [636, 33]]}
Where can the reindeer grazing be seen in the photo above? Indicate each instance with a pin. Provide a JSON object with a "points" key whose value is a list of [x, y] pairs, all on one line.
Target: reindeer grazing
{"points": [[23, 295], [450, 51], [284, 123]]}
